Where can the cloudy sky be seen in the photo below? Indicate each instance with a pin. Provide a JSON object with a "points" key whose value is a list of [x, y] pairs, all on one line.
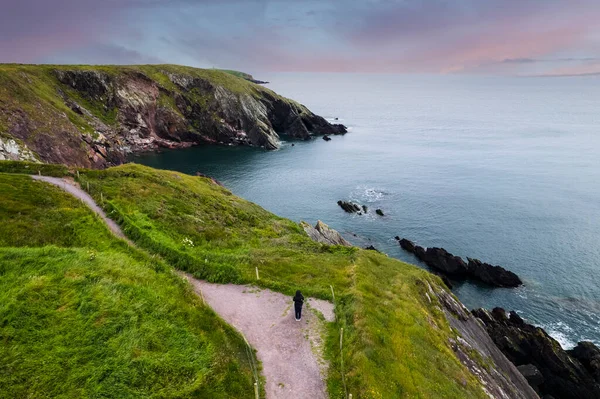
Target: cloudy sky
{"points": [[551, 37]]}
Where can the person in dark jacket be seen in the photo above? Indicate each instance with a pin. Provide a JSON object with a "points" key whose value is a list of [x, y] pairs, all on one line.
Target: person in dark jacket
{"points": [[298, 301]]}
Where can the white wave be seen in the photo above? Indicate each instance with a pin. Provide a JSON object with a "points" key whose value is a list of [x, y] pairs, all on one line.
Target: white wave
{"points": [[560, 332], [368, 194]]}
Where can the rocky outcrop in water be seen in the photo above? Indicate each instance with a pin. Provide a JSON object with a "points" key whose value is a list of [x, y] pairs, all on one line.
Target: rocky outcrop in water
{"points": [[493, 275], [454, 266], [94, 116], [349, 207], [407, 245], [324, 234], [552, 371]]}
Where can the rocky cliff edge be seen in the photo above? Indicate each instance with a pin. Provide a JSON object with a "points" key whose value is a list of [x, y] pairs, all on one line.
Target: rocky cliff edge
{"points": [[93, 116]]}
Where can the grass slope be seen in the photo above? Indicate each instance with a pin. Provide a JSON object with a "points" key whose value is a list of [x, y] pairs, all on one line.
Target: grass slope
{"points": [[395, 338], [84, 315]]}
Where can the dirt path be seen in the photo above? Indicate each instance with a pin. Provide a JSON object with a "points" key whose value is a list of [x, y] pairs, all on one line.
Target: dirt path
{"points": [[290, 351], [73, 188]]}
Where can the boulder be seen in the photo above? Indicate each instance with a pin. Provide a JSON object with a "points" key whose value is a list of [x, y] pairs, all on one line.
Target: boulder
{"points": [[326, 138], [365, 209], [349, 207], [379, 212], [493, 275], [324, 234], [566, 374]]}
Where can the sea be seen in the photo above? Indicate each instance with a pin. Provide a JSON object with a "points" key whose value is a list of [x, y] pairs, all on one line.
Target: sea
{"points": [[502, 169]]}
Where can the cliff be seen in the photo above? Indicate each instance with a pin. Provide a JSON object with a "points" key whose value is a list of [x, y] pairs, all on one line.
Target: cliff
{"points": [[93, 116], [553, 371]]}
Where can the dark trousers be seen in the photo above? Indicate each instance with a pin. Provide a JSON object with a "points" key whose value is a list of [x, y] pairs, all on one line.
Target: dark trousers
{"points": [[298, 311]]}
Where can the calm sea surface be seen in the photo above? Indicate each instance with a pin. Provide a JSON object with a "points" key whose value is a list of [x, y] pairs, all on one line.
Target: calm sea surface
{"points": [[506, 170]]}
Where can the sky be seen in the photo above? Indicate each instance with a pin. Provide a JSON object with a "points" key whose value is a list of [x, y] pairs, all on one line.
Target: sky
{"points": [[503, 37]]}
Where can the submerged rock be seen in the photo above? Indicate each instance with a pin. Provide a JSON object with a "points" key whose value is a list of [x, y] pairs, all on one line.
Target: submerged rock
{"points": [[379, 212], [324, 234], [564, 375], [326, 138]]}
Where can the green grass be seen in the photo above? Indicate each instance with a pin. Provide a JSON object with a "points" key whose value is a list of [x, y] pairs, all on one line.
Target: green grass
{"points": [[34, 90], [239, 74], [32, 168], [84, 315], [395, 340], [37, 214]]}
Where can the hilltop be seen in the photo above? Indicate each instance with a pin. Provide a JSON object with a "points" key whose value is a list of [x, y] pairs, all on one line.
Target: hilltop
{"points": [[93, 116]]}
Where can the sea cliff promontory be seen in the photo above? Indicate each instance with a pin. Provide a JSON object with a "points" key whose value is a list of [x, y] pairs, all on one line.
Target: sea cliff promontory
{"points": [[93, 116]]}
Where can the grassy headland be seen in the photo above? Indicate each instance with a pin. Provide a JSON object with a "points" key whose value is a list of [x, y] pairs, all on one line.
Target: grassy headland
{"points": [[395, 340]]}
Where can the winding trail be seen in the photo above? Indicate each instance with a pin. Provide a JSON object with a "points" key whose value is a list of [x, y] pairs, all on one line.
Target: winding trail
{"points": [[291, 352], [73, 188]]}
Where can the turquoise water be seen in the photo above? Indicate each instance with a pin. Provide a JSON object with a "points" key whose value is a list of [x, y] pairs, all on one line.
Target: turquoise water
{"points": [[506, 170]]}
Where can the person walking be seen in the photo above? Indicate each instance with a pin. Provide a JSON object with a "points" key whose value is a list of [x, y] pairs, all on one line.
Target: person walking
{"points": [[298, 301]]}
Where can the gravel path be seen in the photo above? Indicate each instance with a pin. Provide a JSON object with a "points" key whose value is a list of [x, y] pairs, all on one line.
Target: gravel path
{"points": [[290, 351], [73, 188]]}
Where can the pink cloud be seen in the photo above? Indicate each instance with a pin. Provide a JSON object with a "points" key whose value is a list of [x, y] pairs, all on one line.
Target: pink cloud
{"points": [[386, 36]]}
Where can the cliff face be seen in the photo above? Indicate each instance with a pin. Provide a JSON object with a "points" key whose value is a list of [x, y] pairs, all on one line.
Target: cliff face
{"points": [[554, 371], [94, 116]]}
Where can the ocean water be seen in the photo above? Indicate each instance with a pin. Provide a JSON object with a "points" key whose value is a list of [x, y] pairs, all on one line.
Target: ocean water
{"points": [[506, 170]]}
